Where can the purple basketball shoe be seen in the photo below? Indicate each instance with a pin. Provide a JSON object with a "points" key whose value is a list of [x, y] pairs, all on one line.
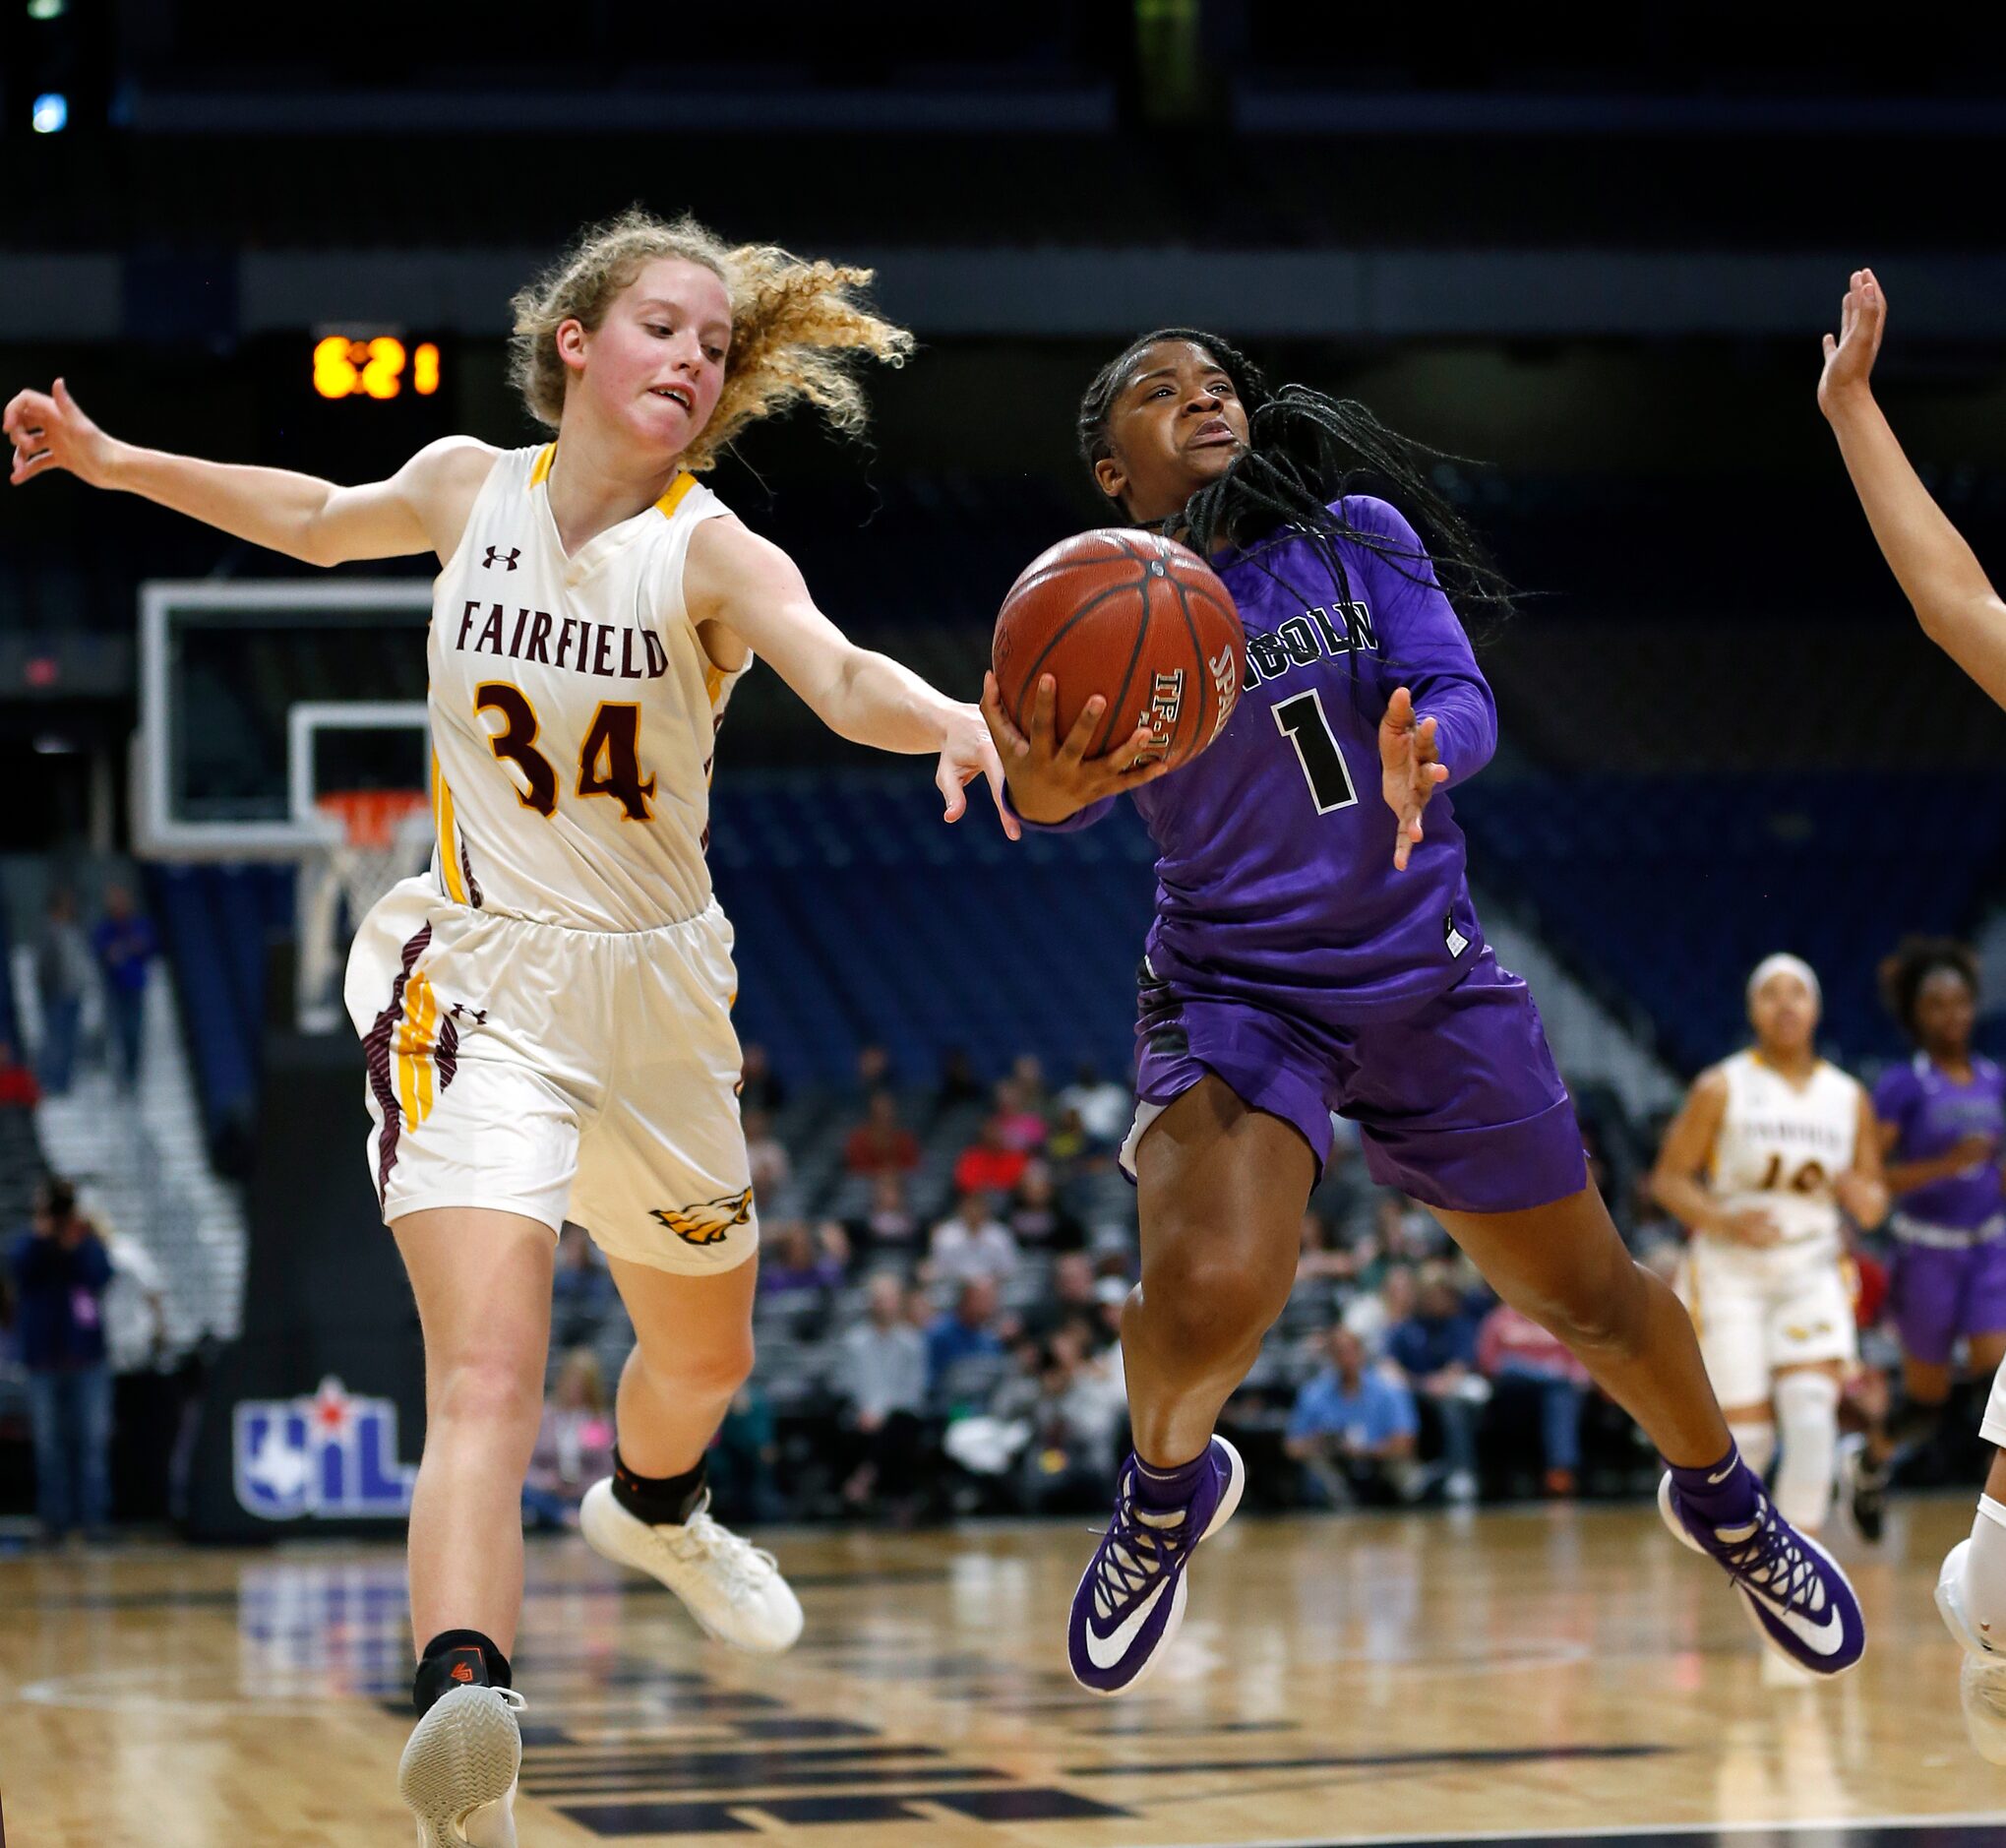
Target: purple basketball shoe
{"points": [[1130, 1603], [1799, 1600]]}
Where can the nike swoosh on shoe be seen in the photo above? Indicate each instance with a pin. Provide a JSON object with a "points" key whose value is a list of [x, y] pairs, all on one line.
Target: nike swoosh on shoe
{"points": [[1105, 1652], [1824, 1638]]}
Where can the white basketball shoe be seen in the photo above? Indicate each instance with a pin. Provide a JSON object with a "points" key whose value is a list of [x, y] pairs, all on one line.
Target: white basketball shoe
{"points": [[1981, 1681], [731, 1587], [458, 1770]]}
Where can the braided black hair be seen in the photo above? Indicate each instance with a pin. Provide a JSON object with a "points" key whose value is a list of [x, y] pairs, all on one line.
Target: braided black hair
{"points": [[1306, 451], [1914, 961]]}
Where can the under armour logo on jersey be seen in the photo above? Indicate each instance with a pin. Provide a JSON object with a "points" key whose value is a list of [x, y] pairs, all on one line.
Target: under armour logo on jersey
{"points": [[479, 1015], [508, 558]]}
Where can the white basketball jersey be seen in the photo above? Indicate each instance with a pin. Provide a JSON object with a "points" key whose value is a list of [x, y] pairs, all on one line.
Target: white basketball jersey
{"points": [[574, 711], [1781, 1146]]}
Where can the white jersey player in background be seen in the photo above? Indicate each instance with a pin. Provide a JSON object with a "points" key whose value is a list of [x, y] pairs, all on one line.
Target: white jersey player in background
{"points": [[1772, 1148], [546, 1013], [1965, 616]]}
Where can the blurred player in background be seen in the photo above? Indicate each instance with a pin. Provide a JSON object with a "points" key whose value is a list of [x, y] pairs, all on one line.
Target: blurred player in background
{"points": [[1305, 959], [546, 1011], [1942, 1120], [1963, 614], [1785, 1144]]}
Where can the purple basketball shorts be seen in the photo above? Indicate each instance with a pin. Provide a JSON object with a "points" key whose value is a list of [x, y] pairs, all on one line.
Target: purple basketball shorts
{"points": [[1458, 1103], [1939, 1293]]}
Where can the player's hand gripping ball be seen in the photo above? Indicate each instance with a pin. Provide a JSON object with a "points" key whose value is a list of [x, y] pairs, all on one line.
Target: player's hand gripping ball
{"points": [[1135, 618]]}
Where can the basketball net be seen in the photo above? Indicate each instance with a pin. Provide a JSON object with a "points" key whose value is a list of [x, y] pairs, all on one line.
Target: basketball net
{"points": [[384, 835]]}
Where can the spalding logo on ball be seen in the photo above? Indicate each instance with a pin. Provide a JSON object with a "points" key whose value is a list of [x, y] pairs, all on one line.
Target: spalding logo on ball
{"points": [[1134, 617]]}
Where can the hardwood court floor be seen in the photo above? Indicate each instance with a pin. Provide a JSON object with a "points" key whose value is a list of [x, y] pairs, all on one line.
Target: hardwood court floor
{"points": [[1421, 1676]]}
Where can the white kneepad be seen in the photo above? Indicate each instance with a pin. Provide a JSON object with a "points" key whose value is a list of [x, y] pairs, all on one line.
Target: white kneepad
{"points": [[1807, 1417]]}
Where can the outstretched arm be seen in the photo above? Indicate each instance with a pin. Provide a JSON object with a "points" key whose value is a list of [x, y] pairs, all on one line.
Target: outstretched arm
{"points": [[422, 508], [753, 588], [1939, 574]]}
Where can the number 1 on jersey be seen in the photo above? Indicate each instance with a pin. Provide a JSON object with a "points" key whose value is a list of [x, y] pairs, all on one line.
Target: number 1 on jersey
{"points": [[1302, 721]]}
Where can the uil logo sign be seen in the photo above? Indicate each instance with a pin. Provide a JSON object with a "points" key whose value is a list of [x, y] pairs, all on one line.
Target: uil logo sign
{"points": [[708, 1222], [332, 1456]]}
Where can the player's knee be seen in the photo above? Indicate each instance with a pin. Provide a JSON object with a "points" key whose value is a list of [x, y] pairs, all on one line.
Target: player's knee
{"points": [[490, 1391], [713, 1367], [1602, 1312], [1206, 1304]]}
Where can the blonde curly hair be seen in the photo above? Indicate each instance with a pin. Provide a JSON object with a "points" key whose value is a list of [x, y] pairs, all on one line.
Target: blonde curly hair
{"points": [[797, 327]]}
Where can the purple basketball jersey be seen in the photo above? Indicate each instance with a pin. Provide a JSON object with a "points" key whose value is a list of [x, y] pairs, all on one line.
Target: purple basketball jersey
{"points": [[1931, 1112], [1275, 876]]}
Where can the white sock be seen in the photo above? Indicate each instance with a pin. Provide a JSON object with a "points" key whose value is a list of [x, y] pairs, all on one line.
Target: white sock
{"points": [[1984, 1586], [1756, 1443], [1807, 1412]]}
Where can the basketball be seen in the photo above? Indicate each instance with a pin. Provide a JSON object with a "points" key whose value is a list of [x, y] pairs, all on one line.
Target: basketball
{"points": [[1134, 617]]}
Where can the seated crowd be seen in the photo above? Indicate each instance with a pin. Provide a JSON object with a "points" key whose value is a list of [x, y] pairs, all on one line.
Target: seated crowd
{"points": [[938, 1311]]}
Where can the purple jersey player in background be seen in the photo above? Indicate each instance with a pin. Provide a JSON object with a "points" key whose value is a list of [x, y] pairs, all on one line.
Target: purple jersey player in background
{"points": [[1943, 1130], [1313, 951]]}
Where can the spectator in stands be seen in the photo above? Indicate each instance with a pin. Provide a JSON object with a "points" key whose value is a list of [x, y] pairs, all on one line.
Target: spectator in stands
{"points": [[1346, 1196], [1111, 1296], [1104, 1108], [744, 1460], [970, 1243], [759, 1086], [965, 1349], [797, 1262], [573, 1444], [874, 1069], [1068, 1150], [17, 1088], [582, 1296], [993, 1163], [880, 1381], [880, 1143], [1027, 1073], [60, 1271], [958, 1084], [1318, 1258], [1436, 1347], [1407, 1233], [63, 972], [1078, 1415], [888, 1228], [1374, 1314], [1019, 1122], [766, 1158], [1353, 1426], [1515, 1352], [126, 944], [1037, 1218], [1070, 1298]]}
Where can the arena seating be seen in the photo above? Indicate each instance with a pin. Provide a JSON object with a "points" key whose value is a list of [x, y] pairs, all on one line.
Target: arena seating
{"points": [[861, 918], [1672, 888]]}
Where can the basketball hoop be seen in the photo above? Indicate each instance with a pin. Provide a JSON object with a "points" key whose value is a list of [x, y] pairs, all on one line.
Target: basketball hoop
{"points": [[374, 837]]}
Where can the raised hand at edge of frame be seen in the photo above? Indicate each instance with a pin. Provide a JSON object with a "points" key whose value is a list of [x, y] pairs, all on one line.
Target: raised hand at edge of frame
{"points": [[1851, 353]]}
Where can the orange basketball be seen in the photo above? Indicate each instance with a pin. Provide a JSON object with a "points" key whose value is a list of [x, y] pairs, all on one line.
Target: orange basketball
{"points": [[1134, 617]]}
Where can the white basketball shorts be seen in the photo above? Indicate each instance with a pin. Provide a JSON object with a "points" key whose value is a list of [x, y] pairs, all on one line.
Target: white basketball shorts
{"points": [[560, 1074], [1758, 1311]]}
